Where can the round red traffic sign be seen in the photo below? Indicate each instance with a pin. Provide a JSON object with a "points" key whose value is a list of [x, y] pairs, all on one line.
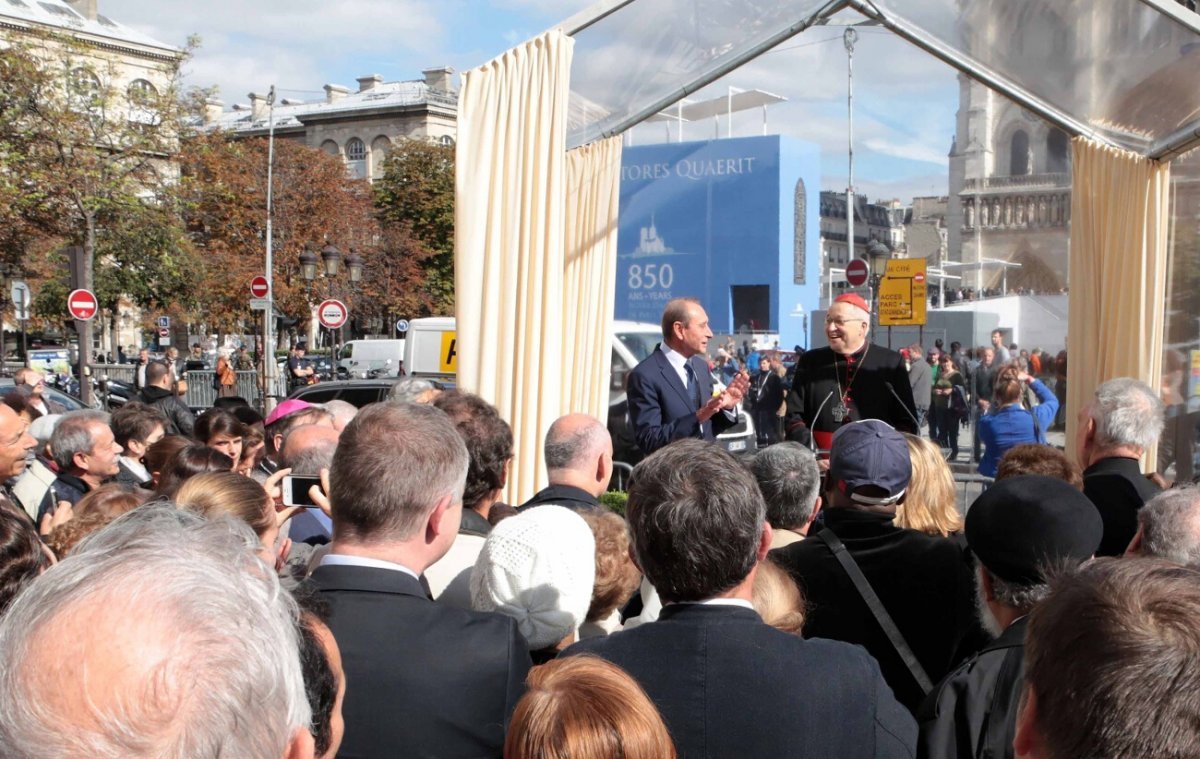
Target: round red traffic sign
{"points": [[164, 332], [332, 313], [856, 272], [259, 287], [82, 304], [919, 277]]}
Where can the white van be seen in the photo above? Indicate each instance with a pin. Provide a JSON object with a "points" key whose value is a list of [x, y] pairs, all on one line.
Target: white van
{"points": [[359, 358], [432, 353]]}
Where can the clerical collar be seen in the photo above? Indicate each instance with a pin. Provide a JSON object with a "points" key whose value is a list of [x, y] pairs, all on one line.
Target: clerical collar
{"points": [[850, 358]]}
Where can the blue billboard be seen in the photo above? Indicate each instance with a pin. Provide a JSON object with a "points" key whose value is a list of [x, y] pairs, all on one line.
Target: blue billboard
{"points": [[732, 222]]}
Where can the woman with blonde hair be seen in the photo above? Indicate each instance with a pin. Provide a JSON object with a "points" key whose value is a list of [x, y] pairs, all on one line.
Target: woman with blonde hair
{"points": [[930, 504], [586, 708], [777, 598], [216, 493]]}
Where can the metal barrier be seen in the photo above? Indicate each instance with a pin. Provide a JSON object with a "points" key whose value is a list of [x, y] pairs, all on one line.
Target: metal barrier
{"points": [[969, 487], [120, 372], [202, 394], [620, 476]]}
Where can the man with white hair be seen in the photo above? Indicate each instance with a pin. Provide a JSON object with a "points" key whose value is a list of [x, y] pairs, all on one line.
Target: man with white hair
{"points": [[88, 668], [1169, 527], [849, 380], [1115, 428], [579, 463], [343, 412]]}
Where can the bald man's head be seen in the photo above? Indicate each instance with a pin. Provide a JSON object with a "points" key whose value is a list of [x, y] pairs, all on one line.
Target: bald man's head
{"points": [[578, 452]]}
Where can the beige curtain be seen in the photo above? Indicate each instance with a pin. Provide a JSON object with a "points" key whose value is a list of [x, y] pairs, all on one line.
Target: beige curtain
{"points": [[510, 193], [1118, 265], [593, 190]]}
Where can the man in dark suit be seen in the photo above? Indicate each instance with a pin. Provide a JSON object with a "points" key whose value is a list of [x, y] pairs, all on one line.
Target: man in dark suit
{"points": [[925, 584], [425, 680], [670, 392], [1115, 428], [726, 683]]}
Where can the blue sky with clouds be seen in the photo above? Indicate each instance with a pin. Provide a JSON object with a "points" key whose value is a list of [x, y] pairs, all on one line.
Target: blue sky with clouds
{"points": [[904, 101]]}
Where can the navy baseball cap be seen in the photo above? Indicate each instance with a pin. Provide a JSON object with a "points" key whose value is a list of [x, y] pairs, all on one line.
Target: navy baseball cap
{"points": [[870, 453]]}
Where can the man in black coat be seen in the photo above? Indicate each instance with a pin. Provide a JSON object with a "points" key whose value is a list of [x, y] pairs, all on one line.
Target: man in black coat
{"points": [[1016, 529], [850, 380], [765, 397], [670, 391], [1122, 421], [159, 392], [924, 583], [726, 683], [424, 680]]}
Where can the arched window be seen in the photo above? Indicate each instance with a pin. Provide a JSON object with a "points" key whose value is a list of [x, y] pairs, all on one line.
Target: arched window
{"points": [[1056, 152], [380, 147], [1018, 156], [85, 88], [446, 139], [356, 158], [330, 147], [141, 93]]}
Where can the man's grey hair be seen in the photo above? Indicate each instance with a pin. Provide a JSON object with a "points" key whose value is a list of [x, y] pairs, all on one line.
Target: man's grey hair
{"points": [[790, 481], [1127, 413], [393, 464], [1013, 595], [410, 390], [73, 434], [227, 680], [312, 458], [1171, 526], [341, 411], [574, 448]]}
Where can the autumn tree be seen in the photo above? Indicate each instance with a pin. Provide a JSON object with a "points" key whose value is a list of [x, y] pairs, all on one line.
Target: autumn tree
{"points": [[416, 196], [224, 195], [86, 160]]}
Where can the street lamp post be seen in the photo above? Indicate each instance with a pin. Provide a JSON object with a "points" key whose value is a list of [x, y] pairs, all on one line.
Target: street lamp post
{"points": [[878, 253], [330, 265]]}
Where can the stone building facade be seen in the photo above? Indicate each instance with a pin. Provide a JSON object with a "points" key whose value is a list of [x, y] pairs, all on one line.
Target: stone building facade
{"points": [[883, 221], [105, 56], [359, 126]]}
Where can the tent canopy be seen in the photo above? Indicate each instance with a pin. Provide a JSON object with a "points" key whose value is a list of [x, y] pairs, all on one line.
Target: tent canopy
{"points": [[1121, 72]]}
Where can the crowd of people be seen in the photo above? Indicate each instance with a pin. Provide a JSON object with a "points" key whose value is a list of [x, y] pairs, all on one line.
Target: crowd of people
{"points": [[159, 596]]}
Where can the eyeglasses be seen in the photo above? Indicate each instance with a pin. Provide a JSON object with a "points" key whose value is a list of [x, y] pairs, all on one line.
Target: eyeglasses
{"points": [[842, 322]]}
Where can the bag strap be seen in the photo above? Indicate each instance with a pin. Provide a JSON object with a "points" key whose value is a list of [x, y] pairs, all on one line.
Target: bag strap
{"points": [[995, 741], [1038, 435], [876, 606]]}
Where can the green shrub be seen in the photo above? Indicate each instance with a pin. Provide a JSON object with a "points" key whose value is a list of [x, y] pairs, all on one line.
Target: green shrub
{"points": [[615, 501]]}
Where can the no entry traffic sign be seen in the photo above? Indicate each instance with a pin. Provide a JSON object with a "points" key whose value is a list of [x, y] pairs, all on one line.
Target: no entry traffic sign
{"points": [[82, 304], [332, 313], [856, 272], [259, 287]]}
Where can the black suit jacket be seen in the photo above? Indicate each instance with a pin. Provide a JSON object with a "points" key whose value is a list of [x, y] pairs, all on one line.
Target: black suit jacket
{"points": [[926, 584], [422, 680], [660, 409], [729, 685], [1118, 489]]}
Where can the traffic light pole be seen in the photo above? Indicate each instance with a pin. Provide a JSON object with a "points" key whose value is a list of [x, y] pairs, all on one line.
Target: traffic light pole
{"points": [[268, 346]]}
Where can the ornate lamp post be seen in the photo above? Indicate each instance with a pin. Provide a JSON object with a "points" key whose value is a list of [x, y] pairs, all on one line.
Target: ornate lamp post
{"points": [[879, 254]]}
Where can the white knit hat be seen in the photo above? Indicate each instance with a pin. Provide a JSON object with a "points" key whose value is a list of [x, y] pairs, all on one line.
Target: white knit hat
{"points": [[538, 568]]}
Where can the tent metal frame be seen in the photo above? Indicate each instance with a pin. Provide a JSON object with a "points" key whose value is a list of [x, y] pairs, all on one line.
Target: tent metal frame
{"points": [[1174, 144]]}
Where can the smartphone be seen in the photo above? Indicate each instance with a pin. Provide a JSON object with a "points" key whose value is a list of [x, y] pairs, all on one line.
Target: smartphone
{"points": [[295, 490]]}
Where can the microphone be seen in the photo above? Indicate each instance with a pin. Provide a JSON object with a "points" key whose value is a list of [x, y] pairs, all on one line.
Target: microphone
{"points": [[903, 405], [812, 439]]}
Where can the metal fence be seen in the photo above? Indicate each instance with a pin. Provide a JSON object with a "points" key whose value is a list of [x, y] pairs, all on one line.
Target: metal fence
{"points": [[969, 487], [200, 390]]}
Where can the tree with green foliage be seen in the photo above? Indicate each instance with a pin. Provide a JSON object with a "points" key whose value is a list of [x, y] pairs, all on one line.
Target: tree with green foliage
{"points": [[416, 194], [87, 162]]}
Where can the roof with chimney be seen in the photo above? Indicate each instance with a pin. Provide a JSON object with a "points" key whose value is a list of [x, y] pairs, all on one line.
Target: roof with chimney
{"points": [[79, 19], [373, 95]]}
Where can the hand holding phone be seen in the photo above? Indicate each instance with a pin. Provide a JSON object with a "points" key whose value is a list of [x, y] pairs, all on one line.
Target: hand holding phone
{"points": [[296, 490]]}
